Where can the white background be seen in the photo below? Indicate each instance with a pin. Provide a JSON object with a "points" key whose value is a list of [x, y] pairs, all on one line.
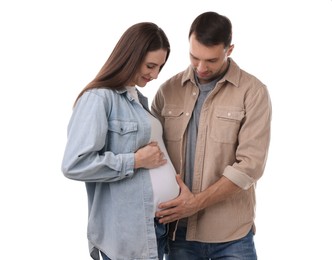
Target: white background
{"points": [[49, 50]]}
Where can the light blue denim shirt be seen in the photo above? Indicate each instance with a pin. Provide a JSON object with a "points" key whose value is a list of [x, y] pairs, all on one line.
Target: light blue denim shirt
{"points": [[104, 131]]}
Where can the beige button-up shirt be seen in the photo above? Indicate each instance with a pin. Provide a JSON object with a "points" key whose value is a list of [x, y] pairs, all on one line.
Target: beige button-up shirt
{"points": [[233, 140]]}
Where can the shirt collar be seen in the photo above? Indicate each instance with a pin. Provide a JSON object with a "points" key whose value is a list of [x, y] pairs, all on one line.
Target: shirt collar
{"points": [[232, 75]]}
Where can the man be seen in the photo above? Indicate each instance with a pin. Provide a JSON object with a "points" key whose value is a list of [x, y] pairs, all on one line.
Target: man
{"points": [[216, 120]]}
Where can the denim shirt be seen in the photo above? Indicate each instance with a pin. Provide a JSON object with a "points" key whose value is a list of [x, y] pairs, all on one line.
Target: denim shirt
{"points": [[104, 131]]}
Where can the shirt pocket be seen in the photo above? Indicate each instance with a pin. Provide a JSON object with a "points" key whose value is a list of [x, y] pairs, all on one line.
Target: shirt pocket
{"points": [[173, 123], [122, 136], [225, 125]]}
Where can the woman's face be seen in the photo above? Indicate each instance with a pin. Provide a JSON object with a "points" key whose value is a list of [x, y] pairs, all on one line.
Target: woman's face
{"points": [[150, 68]]}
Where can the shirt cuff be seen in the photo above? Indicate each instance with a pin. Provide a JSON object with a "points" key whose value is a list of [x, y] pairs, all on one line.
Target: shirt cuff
{"points": [[239, 178], [128, 165]]}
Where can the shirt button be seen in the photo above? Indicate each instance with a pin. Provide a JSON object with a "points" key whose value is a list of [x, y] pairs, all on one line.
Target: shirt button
{"points": [[187, 114], [194, 93], [169, 112], [229, 114]]}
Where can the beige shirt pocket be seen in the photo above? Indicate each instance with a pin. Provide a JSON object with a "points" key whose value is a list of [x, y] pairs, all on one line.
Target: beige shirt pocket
{"points": [[226, 124]]}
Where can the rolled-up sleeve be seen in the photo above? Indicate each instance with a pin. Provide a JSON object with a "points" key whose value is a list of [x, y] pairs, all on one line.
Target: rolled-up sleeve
{"points": [[253, 140]]}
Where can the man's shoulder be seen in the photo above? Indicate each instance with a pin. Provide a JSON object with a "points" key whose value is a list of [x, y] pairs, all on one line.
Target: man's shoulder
{"points": [[243, 78], [177, 79]]}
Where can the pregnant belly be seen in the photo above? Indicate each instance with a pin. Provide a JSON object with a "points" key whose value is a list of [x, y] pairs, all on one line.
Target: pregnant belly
{"points": [[164, 184]]}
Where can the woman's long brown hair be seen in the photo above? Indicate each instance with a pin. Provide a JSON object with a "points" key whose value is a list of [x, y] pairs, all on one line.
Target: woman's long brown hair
{"points": [[128, 55]]}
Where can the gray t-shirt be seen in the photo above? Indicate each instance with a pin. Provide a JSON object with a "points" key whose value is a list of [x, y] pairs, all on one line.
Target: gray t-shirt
{"points": [[204, 90]]}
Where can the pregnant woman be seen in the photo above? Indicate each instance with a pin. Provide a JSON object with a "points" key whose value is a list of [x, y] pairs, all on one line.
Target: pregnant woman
{"points": [[115, 146]]}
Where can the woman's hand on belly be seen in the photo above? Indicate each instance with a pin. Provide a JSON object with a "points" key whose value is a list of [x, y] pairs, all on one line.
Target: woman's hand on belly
{"points": [[149, 157]]}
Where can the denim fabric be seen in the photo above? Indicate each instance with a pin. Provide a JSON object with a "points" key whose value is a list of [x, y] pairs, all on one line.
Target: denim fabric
{"points": [[105, 130], [161, 233], [162, 237], [104, 256], [241, 249]]}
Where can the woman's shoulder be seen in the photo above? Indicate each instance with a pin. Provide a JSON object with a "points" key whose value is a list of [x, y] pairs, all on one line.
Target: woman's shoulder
{"points": [[104, 92], [103, 96]]}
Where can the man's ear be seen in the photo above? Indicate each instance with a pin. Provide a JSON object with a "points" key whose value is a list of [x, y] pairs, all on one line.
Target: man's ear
{"points": [[230, 50]]}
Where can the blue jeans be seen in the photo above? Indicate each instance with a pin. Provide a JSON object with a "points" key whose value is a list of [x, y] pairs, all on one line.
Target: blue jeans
{"points": [[241, 249], [162, 238], [161, 234], [104, 256]]}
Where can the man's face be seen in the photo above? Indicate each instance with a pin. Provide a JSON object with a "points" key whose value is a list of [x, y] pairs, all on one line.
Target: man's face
{"points": [[208, 62]]}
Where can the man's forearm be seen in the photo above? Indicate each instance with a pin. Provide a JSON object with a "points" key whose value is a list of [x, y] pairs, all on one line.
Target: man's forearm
{"points": [[217, 192]]}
